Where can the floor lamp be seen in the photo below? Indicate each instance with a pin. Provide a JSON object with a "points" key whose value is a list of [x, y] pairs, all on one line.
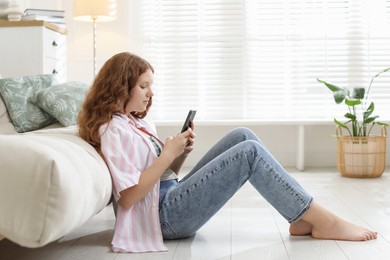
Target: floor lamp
{"points": [[94, 11]]}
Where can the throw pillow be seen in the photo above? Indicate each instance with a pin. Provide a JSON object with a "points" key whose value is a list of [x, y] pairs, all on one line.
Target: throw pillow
{"points": [[62, 101], [25, 116]]}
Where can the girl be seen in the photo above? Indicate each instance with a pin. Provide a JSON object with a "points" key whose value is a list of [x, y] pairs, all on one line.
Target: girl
{"points": [[151, 204]]}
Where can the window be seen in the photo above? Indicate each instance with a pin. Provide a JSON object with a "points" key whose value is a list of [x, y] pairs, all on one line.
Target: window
{"points": [[259, 59]]}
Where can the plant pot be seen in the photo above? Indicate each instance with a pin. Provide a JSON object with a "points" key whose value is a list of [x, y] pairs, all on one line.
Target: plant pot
{"points": [[361, 157]]}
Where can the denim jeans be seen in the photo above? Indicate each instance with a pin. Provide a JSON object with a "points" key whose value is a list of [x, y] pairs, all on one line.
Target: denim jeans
{"points": [[238, 157]]}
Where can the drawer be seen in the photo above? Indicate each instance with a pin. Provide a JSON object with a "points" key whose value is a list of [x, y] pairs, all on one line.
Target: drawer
{"points": [[56, 67], [29, 48], [54, 44]]}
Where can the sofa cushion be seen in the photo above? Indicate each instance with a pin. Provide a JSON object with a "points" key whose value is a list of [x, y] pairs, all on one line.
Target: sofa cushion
{"points": [[6, 126], [16, 91], [52, 181], [4, 118], [62, 101]]}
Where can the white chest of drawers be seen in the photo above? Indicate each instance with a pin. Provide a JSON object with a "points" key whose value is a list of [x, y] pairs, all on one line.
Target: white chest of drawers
{"points": [[32, 47]]}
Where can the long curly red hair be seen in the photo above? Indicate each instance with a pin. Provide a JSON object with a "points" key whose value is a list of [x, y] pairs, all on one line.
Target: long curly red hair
{"points": [[110, 93]]}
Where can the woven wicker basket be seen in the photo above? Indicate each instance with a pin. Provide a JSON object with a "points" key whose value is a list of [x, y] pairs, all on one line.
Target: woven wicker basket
{"points": [[361, 157]]}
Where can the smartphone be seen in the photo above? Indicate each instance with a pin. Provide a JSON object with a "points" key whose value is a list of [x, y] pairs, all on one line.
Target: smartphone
{"points": [[189, 119]]}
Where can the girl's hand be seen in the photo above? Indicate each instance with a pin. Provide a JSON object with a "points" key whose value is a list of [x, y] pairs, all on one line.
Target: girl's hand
{"points": [[181, 144], [190, 140]]}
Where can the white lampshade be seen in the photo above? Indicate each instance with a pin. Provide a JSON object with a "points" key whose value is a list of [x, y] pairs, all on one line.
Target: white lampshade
{"points": [[97, 10]]}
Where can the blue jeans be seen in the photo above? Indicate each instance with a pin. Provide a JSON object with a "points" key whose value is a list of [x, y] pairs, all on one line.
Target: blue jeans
{"points": [[238, 157]]}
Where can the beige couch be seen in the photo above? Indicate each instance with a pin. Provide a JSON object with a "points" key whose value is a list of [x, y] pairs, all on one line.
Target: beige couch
{"points": [[51, 182]]}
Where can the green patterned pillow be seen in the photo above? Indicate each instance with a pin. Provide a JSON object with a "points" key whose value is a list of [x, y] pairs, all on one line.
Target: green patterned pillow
{"points": [[16, 91], [62, 101]]}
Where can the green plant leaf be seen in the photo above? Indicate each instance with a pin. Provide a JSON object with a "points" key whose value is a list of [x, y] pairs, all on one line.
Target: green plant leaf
{"points": [[330, 86], [340, 124], [352, 102], [358, 93], [350, 116], [369, 111], [339, 94], [370, 119], [382, 124], [371, 107]]}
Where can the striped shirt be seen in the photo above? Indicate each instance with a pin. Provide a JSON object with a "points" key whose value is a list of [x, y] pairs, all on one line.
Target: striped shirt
{"points": [[128, 153]]}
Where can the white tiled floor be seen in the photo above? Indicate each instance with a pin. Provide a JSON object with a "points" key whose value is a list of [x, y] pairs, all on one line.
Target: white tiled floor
{"points": [[248, 228]]}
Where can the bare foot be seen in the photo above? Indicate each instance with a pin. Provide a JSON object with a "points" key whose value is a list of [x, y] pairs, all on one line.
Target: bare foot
{"points": [[300, 228], [327, 225], [341, 229]]}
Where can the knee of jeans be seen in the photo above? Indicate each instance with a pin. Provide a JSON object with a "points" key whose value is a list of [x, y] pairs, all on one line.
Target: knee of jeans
{"points": [[245, 133], [248, 134]]}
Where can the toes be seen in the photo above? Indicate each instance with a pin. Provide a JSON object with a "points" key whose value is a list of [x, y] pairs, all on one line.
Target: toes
{"points": [[369, 235], [373, 235]]}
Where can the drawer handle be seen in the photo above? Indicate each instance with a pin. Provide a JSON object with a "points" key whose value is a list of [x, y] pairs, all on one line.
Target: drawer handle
{"points": [[54, 43], [54, 71]]}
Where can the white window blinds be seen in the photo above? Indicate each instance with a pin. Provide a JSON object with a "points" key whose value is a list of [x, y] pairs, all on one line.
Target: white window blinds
{"points": [[259, 59]]}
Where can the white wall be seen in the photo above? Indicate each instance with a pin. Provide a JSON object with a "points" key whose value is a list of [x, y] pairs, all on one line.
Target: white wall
{"points": [[123, 35]]}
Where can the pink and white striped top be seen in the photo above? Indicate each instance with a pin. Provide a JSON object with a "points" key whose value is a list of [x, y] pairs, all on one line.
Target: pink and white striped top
{"points": [[127, 154]]}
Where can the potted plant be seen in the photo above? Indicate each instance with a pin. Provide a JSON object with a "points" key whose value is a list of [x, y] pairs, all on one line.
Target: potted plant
{"points": [[359, 154]]}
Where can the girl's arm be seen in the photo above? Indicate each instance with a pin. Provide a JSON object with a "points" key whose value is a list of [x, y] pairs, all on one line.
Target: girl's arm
{"points": [[174, 147], [177, 163], [147, 180]]}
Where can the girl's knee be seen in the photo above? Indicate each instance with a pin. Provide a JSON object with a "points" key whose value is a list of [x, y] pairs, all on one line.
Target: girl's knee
{"points": [[244, 131], [246, 134]]}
